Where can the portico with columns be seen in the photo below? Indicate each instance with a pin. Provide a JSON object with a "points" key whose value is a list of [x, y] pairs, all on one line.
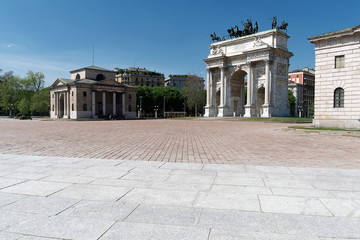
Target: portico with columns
{"points": [[255, 66], [92, 97]]}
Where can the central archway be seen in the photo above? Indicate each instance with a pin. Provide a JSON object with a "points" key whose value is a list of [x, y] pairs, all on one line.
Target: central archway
{"points": [[237, 92]]}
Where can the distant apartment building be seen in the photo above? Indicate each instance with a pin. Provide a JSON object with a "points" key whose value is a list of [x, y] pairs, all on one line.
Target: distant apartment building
{"points": [[302, 83], [337, 89], [139, 77], [181, 81]]}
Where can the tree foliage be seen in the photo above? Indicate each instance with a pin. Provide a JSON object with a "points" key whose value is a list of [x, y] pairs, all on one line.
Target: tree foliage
{"points": [[155, 96], [23, 95], [291, 103], [194, 93]]}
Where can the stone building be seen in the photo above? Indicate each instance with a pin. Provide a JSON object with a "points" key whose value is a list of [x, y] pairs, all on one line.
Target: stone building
{"points": [[139, 77], [179, 81], [257, 62], [337, 86], [91, 92], [302, 84]]}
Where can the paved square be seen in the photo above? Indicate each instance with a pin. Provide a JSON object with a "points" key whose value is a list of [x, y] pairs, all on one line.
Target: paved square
{"points": [[71, 180]]}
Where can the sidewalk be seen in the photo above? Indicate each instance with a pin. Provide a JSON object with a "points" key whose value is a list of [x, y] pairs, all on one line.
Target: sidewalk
{"points": [[76, 198]]}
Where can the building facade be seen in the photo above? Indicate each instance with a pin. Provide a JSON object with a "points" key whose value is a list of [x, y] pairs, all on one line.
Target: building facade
{"points": [[337, 86], [91, 92], [181, 81], [139, 77], [258, 62], [302, 84]]}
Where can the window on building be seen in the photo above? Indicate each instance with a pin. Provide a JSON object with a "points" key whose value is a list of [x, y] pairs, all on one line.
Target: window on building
{"points": [[129, 96], [84, 94], [339, 61], [129, 108], [72, 93], [152, 85], [84, 107], [100, 77], [53, 95], [77, 76], [72, 107], [339, 98], [53, 107]]}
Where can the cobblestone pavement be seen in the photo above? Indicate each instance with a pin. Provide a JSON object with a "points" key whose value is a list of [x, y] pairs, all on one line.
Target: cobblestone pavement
{"points": [[202, 141], [44, 197]]}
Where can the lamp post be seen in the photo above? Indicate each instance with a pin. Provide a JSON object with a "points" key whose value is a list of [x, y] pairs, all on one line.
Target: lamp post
{"points": [[140, 115], [138, 110], [164, 106], [11, 106], [184, 108], [156, 108]]}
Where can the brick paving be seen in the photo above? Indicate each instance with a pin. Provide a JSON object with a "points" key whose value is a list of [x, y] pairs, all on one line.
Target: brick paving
{"points": [[197, 141]]}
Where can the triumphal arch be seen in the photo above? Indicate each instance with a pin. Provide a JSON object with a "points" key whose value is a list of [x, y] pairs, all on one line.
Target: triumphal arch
{"points": [[248, 76]]}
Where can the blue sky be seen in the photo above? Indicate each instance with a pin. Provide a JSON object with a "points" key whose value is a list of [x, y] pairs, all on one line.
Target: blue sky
{"points": [[171, 37]]}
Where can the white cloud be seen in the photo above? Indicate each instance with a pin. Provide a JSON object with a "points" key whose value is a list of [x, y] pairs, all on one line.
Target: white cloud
{"points": [[8, 45]]}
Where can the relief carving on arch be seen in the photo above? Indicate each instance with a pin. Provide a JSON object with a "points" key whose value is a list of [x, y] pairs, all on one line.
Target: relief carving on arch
{"points": [[281, 69]]}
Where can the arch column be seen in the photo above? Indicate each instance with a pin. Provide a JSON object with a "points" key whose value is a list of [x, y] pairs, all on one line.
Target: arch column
{"points": [[249, 107], [266, 105], [209, 108]]}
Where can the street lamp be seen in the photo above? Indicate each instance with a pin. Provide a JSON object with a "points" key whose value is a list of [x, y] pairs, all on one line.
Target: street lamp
{"points": [[11, 107], [156, 108], [140, 106], [164, 106]]}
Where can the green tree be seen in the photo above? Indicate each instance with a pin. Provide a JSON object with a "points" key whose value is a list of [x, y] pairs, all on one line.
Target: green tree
{"points": [[194, 93], [311, 110], [9, 93], [40, 102], [34, 81], [291, 102], [154, 96]]}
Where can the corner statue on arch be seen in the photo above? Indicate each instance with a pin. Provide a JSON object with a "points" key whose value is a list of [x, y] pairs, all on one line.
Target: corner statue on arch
{"points": [[256, 64]]}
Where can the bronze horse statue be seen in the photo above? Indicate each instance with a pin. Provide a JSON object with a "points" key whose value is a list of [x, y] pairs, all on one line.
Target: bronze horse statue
{"points": [[238, 33], [256, 28], [231, 32], [283, 26], [215, 38]]}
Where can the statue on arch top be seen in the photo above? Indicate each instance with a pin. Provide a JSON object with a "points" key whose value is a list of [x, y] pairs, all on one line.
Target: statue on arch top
{"points": [[214, 37], [274, 22]]}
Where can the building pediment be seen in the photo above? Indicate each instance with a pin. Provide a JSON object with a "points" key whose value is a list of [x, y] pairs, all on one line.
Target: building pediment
{"points": [[61, 82]]}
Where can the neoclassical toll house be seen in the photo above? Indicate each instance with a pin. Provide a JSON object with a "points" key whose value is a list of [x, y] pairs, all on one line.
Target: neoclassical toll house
{"points": [[337, 85], [258, 62], [91, 92]]}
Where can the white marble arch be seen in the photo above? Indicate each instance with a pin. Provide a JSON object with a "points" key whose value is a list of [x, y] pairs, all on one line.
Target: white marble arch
{"points": [[257, 64]]}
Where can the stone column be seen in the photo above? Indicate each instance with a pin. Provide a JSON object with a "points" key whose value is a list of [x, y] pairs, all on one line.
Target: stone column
{"points": [[104, 103], [209, 108], [208, 88], [114, 103], [222, 89], [68, 104], [55, 103], [93, 101], [249, 104], [266, 104], [123, 104], [267, 82]]}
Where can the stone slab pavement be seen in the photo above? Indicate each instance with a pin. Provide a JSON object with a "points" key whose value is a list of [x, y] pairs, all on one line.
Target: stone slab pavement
{"points": [[167, 140], [47, 197]]}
